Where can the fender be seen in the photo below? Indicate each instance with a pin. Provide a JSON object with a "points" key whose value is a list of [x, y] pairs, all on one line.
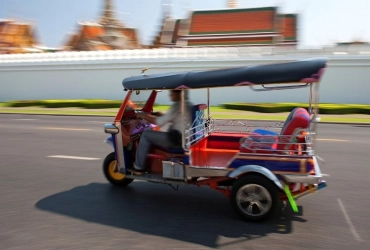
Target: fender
{"points": [[257, 169], [109, 141]]}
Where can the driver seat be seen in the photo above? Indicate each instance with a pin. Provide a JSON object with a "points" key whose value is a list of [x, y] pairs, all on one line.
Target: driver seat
{"points": [[197, 116], [161, 153]]}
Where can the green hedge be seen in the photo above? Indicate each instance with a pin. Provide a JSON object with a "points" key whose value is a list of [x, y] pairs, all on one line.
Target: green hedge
{"points": [[264, 107], [344, 109], [324, 108], [87, 104]]}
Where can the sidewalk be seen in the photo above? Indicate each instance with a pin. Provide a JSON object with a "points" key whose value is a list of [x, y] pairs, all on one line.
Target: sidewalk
{"points": [[227, 114]]}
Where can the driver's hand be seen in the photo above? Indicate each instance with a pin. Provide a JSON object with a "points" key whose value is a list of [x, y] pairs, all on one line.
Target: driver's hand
{"points": [[140, 115], [157, 113]]}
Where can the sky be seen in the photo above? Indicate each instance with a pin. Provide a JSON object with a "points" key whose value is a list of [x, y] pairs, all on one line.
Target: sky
{"points": [[320, 22]]}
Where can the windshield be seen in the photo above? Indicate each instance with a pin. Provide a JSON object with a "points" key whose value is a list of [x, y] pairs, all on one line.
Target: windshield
{"points": [[137, 100]]}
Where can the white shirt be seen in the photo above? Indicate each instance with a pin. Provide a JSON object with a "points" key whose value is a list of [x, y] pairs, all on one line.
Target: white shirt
{"points": [[173, 116]]}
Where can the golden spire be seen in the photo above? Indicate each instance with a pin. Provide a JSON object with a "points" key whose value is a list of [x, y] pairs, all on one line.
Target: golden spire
{"points": [[166, 8], [233, 4], [108, 18]]}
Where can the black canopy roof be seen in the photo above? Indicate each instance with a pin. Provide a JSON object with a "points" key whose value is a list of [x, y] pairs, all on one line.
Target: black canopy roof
{"points": [[305, 71]]}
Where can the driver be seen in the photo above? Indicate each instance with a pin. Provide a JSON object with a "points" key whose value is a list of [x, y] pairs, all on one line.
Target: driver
{"points": [[170, 139]]}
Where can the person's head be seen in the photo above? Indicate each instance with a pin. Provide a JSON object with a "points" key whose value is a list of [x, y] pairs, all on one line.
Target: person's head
{"points": [[175, 95]]}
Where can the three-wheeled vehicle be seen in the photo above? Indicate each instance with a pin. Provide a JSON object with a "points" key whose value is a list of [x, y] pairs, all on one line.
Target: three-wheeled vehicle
{"points": [[257, 168]]}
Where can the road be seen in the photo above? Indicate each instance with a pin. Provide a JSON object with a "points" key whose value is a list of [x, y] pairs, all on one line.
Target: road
{"points": [[53, 195]]}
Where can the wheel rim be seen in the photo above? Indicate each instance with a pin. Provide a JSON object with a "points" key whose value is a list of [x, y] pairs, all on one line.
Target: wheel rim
{"points": [[115, 175], [253, 200]]}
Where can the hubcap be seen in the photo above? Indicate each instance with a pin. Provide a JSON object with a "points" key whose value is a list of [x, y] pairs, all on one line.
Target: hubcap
{"points": [[115, 175], [253, 199]]}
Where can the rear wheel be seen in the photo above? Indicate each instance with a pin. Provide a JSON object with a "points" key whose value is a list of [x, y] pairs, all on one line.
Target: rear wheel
{"points": [[115, 178], [254, 197]]}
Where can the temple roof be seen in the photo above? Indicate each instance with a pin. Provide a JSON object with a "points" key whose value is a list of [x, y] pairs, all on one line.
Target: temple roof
{"points": [[231, 27], [17, 37], [97, 37], [106, 34], [289, 27], [233, 21]]}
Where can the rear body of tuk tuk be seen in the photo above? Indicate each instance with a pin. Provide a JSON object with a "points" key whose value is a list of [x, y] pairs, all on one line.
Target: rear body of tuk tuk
{"points": [[256, 168]]}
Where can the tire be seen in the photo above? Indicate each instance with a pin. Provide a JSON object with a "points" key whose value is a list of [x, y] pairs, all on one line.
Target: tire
{"points": [[115, 178], [254, 197]]}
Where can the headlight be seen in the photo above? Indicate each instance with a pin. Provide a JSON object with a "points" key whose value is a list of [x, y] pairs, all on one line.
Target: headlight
{"points": [[110, 129]]}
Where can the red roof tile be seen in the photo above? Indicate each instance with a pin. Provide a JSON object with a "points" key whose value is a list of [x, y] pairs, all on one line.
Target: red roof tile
{"points": [[92, 31], [233, 21], [234, 41], [289, 27]]}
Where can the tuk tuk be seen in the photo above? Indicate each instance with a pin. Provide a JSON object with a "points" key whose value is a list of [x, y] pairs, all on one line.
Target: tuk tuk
{"points": [[256, 168]]}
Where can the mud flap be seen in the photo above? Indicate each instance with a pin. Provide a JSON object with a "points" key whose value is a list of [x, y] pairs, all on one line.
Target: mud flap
{"points": [[290, 198]]}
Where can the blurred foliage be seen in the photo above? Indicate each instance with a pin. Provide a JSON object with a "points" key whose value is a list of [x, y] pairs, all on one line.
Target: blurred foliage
{"points": [[87, 104], [324, 108]]}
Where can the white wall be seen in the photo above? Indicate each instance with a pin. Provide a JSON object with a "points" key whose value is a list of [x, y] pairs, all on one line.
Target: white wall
{"points": [[87, 75]]}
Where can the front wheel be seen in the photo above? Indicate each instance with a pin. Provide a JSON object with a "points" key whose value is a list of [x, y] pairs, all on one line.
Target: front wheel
{"points": [[254, 197], [115, 178]]}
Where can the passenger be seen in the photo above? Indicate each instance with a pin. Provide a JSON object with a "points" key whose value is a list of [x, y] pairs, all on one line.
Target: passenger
{"points": [[170, 139]]}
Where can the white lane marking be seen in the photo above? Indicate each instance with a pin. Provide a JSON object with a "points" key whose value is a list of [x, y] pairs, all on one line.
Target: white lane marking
{"points": [[97, 122], [67, 129], [74, 157], [338, 140], [25, 119], [325, 174], [351, 227]]}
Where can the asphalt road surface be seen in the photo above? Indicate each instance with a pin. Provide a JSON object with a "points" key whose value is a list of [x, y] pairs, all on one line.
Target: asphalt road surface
{"points": [[53, 195]]}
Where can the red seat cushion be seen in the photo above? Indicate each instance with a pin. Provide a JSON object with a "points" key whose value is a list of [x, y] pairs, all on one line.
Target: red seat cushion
{"points": [[265, 141], [298, 119]]}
